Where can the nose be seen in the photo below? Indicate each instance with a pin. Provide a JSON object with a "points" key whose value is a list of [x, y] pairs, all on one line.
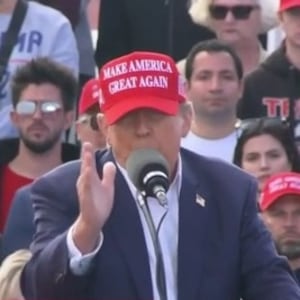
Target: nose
{"points": [[290, 221], [215, 84], [37, 114], [142, 125], [229, 17], [264, 164]]}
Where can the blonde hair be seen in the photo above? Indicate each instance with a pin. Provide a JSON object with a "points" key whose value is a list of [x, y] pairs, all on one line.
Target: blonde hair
{"points": [[10, 273], [199, 12]]}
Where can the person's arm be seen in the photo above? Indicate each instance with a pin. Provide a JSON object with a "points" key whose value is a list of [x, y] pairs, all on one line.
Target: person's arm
{"points": [[113, 31], [265, 275], [57, 208], [48, 275], [19, 228], [64, 47]]}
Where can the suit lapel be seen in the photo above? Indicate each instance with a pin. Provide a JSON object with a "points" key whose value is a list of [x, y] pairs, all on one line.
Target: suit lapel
{"points": [[128, 233], [197, 232]]}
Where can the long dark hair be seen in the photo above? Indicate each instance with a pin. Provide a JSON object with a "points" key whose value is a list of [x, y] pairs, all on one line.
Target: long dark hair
{"points": [[274, 127]]}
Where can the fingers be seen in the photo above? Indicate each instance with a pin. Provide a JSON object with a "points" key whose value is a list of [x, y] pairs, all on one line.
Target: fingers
{"points": [[87, 158], [109, 174]]}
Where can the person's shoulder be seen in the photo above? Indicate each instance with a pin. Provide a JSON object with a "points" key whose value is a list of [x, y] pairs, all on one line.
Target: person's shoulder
{"points": [[60, 176], [46, 13], [216, 170], [257, 75], [67, 173]]}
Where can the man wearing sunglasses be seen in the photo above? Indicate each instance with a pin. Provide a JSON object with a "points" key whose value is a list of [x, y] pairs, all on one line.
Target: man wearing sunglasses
{"points": [[87, 125], [273, 88], [44, 94]]}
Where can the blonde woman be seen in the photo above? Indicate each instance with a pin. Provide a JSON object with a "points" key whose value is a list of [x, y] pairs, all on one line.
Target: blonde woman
{"points": [[10, 272], [238, 23]]}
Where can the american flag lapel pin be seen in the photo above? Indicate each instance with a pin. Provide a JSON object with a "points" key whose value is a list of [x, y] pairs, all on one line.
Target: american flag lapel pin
{"points": [[200, 200]]}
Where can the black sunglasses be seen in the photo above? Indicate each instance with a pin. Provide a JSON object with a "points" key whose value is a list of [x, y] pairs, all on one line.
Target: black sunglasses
{"points": [[267, 121], [91, 120], [239, 12]]}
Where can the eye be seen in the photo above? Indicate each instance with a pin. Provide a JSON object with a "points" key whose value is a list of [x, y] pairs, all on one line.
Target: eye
{"points": [[251, 157]]}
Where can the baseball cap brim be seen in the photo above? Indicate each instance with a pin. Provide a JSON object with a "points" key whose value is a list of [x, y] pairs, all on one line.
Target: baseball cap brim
{"points": [[264, 205], [289, 5], [125, 106]]}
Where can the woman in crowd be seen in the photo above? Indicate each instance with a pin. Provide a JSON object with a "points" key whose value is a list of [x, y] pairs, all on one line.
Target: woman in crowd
{"points": [[266, 147], [238, 23]]}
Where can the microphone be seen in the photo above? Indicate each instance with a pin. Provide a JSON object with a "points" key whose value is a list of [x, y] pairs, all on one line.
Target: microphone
{"points": [[148, 170]]}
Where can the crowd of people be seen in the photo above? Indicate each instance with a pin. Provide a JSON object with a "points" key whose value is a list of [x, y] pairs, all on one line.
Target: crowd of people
{"points": [[213, 87]]}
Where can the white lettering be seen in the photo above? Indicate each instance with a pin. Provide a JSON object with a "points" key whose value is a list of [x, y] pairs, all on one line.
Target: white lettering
{"points": [[149, 65], [122, 84], [114, 71], [153, 81]]}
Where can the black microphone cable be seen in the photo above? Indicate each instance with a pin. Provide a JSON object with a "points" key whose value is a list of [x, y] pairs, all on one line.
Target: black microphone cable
{"points": [[160, 269]]}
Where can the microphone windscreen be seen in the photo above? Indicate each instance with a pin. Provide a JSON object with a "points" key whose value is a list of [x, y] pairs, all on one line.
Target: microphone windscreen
{"points": [[142, 161]]}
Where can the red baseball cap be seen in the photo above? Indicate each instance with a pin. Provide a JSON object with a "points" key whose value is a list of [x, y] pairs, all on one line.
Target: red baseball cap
{"points": [[140, 80], [89, 95], [287, 4], [279, 185]]}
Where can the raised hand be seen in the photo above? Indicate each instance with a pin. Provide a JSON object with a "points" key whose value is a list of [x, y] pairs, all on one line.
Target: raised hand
{"points": [[95, 200]]}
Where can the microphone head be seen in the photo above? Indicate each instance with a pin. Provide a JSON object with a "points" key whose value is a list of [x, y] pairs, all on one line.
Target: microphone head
{"points": [[144, 164]]}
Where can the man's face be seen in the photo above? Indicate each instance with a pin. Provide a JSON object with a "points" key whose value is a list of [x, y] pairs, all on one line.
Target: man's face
{"points": [[147, 128], [290, 22], [235, 20], [283, 220], [40, 118], [214, 88], [88, 130]]}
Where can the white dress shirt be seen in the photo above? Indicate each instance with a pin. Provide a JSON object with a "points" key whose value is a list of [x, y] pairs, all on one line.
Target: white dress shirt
{"points": [[168, 236]]}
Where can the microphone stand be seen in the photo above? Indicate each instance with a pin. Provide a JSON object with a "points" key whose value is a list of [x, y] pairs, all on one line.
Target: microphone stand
{"points": [[160, 269]]}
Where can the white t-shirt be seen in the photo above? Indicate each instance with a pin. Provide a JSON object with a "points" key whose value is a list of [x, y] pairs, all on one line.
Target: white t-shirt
{"points": [[219, 148], [44, 32]]}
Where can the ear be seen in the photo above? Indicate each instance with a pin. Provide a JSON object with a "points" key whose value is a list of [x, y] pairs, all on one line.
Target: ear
{"points": [[14, 118], [102, 123], [69, 119], [78, 130]]}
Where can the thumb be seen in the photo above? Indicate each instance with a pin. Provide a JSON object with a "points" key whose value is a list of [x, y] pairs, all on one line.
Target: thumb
{"points": [[109, 174]]}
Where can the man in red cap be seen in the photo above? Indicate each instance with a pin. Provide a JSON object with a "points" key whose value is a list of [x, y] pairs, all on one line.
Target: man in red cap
{"points": [[272, 90], [280, 206], [87, 125], [101, 235]]}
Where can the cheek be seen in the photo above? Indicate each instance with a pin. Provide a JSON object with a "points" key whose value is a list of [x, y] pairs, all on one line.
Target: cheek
{"points": [[250, 167], [281, 165]]}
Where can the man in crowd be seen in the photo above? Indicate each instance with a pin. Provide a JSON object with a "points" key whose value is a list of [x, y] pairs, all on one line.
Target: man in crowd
{"points": [[44, 32], [214, 77], [280, 207], [43, 95], [87, 125], [273, 89], [92, 240]]}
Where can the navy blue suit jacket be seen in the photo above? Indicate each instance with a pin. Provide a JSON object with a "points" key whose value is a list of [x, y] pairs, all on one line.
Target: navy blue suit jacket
{"points": [[224, 251]]}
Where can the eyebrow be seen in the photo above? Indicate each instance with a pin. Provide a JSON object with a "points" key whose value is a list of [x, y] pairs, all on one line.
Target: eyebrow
{"points": [[223, 71]]}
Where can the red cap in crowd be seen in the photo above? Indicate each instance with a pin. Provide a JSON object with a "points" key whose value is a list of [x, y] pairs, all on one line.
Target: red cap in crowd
{"points": [[89, 95], [279, 185], [287, 4], [140, 80]]}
